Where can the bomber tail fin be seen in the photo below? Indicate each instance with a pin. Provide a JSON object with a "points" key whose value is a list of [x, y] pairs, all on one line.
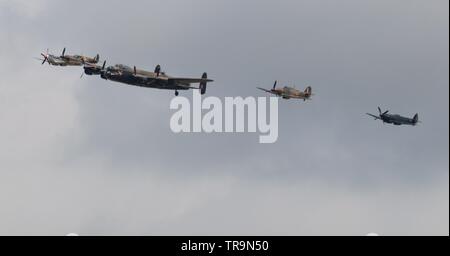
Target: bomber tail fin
{"points": [[416, 119], [97, 58]]}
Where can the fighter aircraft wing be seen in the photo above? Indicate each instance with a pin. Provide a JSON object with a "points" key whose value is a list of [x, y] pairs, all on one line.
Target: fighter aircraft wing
{"points": [[59, 60], [374, 116], [262, 89], [294, 96]]}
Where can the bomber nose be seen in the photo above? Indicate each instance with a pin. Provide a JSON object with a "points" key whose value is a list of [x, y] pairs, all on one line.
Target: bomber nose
{"points": [[87, 71], [103, 74]]}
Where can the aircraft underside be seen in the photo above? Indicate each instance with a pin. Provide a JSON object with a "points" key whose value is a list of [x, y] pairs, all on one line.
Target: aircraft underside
{"points": [[157, 84], [64, 64], [397, 122]]}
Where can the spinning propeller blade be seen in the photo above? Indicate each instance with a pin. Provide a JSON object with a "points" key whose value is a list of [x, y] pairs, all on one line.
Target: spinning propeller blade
{"points": [[158, 70], [45, 58]]}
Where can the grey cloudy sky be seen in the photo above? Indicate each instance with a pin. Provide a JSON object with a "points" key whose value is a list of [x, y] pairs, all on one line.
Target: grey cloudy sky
{"points": [[98, 158]]}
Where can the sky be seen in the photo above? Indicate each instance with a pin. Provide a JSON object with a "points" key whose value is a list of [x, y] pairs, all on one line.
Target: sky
{"points": [[93, 157]]}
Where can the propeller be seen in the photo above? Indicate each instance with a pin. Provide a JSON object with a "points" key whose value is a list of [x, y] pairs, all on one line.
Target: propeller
{"points": [[63, 52], [45, 58], [135, 70], [382, 114], [85, 67], [158, 70], [103, 70], [275, 85]]}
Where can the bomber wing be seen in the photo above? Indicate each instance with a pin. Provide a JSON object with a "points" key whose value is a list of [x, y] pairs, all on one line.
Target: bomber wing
{"points": [[188, 80]]}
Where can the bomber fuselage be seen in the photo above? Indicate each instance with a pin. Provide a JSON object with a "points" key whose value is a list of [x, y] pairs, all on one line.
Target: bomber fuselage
{"points": [[127, 75]]}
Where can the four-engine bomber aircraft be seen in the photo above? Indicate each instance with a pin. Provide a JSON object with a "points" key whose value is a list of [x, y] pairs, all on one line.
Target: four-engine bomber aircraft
{"points": [[395, 119], [157, 79], [68, 60], [289, 92]]}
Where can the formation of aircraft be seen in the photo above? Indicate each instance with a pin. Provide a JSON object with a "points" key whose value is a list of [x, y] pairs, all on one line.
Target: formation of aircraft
{"points": [[289, 92], [395, 119], [160, 80], [68, 60]]}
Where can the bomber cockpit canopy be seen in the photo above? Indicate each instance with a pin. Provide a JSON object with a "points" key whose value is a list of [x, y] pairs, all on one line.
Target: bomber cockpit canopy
{"points": [[123, 67]]}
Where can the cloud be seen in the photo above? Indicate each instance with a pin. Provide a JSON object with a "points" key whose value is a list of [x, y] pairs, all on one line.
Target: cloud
{"points": [[95, 157], [24, 8]]}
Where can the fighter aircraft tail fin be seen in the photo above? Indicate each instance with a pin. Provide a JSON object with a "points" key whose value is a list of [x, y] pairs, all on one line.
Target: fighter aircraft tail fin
{"points": [[416, 119], [308, 90], [203, 83]]}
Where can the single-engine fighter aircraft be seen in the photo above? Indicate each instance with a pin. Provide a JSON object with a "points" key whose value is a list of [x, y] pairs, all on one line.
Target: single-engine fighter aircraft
{"points": [[395, 119], [68, 60], [289, 92], [157, 79]]}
